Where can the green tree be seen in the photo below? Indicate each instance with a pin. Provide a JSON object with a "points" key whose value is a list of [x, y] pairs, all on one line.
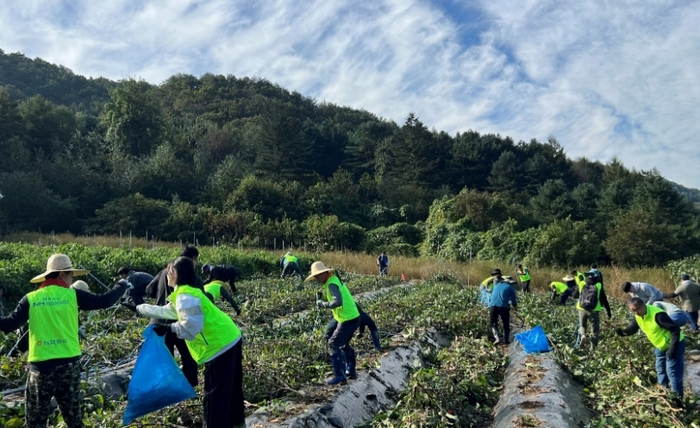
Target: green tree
{"points": [[503, 177], [552, 202], [564, 243], [360, 153], [135, 213], [637, 239]]}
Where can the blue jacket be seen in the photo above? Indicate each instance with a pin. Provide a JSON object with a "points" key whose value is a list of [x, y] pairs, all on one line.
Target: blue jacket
{"points": [[502, 294]]}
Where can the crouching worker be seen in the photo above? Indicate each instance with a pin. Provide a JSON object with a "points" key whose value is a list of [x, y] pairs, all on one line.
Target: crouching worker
{"points": [[502, 297], [665, 335], [212, 338], [561, 290], [346, 314], [677, 315], [365, 321], [54, 346]]}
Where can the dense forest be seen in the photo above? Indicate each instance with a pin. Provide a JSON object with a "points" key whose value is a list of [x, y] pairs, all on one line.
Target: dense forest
{"points": [[231, 160]]}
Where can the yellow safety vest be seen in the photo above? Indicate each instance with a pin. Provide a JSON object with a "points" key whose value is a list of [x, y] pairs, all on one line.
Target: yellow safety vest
{"points": [[53, 324], [348, 311], [219, 329], [214, 288], [598, 307], [658, 336], [525, 276], [560, 287], [486, 283], [290, 259]]}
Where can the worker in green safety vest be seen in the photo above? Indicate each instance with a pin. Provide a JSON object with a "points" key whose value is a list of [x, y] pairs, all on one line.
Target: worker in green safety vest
{"points": [[54, 346], [345, 312], [667, 338], [561, 290], [218, 290], [290, 266], [213, 339], [524, 276]]}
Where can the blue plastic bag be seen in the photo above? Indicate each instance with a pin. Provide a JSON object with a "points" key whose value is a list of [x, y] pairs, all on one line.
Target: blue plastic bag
{"points": [[156, 381], [484, 295], [534, 340]]}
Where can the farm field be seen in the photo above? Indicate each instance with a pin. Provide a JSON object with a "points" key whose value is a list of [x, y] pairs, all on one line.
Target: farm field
{"points": [[285, 364]]}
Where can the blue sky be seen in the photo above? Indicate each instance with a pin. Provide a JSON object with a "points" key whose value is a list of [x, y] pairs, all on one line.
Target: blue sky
{"points": [[604, 78]]}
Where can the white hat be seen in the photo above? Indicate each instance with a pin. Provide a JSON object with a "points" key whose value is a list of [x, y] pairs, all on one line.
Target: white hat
{"points": [[58, 263], [316, 269], [80, 285]]}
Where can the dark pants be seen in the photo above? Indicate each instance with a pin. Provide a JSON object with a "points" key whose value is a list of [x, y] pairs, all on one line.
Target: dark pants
{"points": [[223, 389], [503, 313], [62, 383], [189, 365], [383, 270], [526, 286], [693, 321], [340, 339], [291, 269], [565, 296]]}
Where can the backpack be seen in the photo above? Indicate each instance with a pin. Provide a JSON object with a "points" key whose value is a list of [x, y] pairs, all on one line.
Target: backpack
{"points": [[588, 299]]}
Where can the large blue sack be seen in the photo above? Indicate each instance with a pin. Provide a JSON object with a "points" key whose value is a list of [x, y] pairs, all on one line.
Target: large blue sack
{"points": [[156, 381], [534, 340], [484, 296]]}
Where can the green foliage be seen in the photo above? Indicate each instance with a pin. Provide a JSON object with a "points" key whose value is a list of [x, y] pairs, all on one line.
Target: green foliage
{"points": [[325, 233], [564, 243], [400, 238]]}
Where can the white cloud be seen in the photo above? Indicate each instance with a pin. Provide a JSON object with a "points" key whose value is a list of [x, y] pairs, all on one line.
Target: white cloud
{"points": [[606, 78]]}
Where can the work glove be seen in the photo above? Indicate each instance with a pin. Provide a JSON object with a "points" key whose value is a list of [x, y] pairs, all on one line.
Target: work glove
{"points": [[321, 304], [129, 305], [161, 330], [619, 331]]}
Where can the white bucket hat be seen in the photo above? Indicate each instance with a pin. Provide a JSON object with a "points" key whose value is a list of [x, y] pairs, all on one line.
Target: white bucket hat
{"points": [[80, 285], [316, 269], [58, 263]]}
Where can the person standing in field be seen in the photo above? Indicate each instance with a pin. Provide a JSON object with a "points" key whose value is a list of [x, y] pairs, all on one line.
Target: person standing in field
{"points": [[213, 340], [54, 345], [160, 290], [592, 300], [689, 292], [365, 321], [345, 312], [665, 336], [524, 275], [383, 264], [502, 298]]}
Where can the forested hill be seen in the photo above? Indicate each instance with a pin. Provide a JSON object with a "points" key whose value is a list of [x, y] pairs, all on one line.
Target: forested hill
{"points": [[242, 159]]}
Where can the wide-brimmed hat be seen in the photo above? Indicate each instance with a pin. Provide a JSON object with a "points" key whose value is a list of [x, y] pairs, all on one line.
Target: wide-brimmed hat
{"points": [[496, 272], [58, 263], [568, 278], [316, 269]]}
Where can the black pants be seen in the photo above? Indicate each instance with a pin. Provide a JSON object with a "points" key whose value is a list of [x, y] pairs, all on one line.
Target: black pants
{"points": [[189, 365], [504, 314], [526, 286], [223, 389]]}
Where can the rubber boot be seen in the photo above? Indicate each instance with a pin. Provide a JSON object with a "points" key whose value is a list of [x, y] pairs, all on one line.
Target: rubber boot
{"points": [[496, 335], [337, 362], [350, 361], [375, 340]]}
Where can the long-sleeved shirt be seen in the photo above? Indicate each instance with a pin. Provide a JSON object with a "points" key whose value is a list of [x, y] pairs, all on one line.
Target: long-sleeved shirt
{"points": [[689, 292], [139, 281], [503, 295], [664, 321], [647, 292], [86, 302], [337, 300], [669, 308], [225, 273]]}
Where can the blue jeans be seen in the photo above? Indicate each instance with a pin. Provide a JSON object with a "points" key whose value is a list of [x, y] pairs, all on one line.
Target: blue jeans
{"points": [[693, 320], [679, 318], [670, 371]]}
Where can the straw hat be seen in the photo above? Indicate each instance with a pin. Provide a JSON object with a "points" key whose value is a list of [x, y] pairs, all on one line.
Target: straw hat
{"points": [[58, 263], [316, 269], [80, 285], [568, 278]]}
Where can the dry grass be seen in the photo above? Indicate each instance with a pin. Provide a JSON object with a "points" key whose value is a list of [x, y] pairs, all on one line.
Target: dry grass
{"points": [[102, 240]]}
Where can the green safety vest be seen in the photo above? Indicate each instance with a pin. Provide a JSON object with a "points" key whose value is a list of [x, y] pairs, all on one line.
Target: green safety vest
{"points": [[486, 283], [348, 311], [219, 329], [580, 280], [658, 336], [560, 287], [525, 276], [290, 259], [598, 307], [214, 288], [53, 324]]}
